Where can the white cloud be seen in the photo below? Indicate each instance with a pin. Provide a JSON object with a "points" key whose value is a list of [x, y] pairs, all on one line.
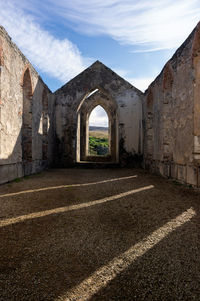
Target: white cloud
{"points": [[141, 83], [58, 58], [150, 25], [98, 117]]}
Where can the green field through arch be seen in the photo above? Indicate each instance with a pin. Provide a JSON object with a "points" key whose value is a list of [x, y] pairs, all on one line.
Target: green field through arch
{"points": [[98, 133]]}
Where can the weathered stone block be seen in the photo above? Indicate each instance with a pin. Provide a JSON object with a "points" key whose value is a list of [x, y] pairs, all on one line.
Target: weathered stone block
{"points": [[3, 174], [12, 172], [19, 170], [174, 170], [192, 175], [27, 168], [182, 172]]}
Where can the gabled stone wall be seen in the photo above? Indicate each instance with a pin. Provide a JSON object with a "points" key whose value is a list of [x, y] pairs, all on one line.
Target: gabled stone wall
{"points": [[128, 112]]}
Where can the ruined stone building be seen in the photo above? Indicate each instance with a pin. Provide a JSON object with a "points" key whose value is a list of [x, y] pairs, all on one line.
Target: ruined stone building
{"points": [[158, 130]]}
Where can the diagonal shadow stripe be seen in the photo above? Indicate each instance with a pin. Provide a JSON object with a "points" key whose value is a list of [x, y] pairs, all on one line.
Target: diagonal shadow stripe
{"points": [[100, 278], [66, 186], [19, 219]]}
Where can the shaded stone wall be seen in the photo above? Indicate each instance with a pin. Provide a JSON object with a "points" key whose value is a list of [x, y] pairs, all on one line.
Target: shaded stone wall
{"points": [[196, 70], [21, 92], [169, 110], [128, 109]]}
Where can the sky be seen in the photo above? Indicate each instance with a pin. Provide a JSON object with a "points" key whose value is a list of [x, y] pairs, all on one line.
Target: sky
{"points": [[98, 117], [135, 38]]}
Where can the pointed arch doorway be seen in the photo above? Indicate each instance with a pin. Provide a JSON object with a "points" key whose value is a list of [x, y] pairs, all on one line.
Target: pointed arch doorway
{"points": [[101, 101], [26, 131], [98, 143]]}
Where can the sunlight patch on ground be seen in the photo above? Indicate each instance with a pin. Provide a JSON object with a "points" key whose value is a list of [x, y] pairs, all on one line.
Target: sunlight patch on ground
{"points": [[100, 278], [22, 218]]}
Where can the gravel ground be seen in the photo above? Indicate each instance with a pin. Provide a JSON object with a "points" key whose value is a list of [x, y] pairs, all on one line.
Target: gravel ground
{"points": [[121, 238]]}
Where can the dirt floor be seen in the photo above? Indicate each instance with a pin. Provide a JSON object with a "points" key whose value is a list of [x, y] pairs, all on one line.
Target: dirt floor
{"points": [[123, 235]]}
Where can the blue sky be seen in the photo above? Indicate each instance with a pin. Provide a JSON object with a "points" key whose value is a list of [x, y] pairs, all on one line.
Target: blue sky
{"points": [[134, 38]]}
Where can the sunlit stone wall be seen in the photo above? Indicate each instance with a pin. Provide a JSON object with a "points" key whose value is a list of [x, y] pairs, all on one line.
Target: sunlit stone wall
{"points": [[172, 117], [13, 65]]}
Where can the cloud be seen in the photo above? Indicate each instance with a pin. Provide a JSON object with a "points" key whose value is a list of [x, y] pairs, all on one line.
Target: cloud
{"points": [[149, 25], [141, 83], [146, 25], [58, 58], [98, 117]]}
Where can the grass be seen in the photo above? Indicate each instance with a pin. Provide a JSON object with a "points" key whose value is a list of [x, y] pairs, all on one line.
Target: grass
{"points": [[98, 145], [17, 180]]}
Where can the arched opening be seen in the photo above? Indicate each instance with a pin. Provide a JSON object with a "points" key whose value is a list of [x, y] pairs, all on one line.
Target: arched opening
{"points": [[27, 118], [167, 78], [44, 125], [97, 109], [99, 133]]}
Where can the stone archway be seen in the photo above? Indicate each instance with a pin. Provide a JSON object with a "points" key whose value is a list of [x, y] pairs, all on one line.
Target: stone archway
{"points": [[27, 122], [75, 99], [103, 99], [98, 142], [44, 125]]}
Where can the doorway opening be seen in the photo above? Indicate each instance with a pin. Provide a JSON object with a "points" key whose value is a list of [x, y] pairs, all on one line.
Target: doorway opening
{"points": [[99, 133]]}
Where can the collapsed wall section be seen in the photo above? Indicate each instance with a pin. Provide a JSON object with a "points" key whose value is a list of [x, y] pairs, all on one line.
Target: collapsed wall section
{"points": [[169, 114], [22, 114]]}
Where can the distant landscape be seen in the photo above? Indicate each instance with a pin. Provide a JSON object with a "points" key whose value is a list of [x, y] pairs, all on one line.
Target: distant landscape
{"points": [[98, 141], [98, 132], [98, 128]]}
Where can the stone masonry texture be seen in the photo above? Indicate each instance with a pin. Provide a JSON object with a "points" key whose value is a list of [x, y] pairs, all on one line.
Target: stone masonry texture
{"points": [[158, 130]]}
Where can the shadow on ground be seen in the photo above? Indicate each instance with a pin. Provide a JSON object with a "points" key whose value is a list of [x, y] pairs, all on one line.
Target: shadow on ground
{"points": [[44, 258]]}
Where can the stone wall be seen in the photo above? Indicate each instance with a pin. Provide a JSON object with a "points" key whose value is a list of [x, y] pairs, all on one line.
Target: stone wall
{"points": [[124, 104], [39, 129], [169, 138], [18, 78]]}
